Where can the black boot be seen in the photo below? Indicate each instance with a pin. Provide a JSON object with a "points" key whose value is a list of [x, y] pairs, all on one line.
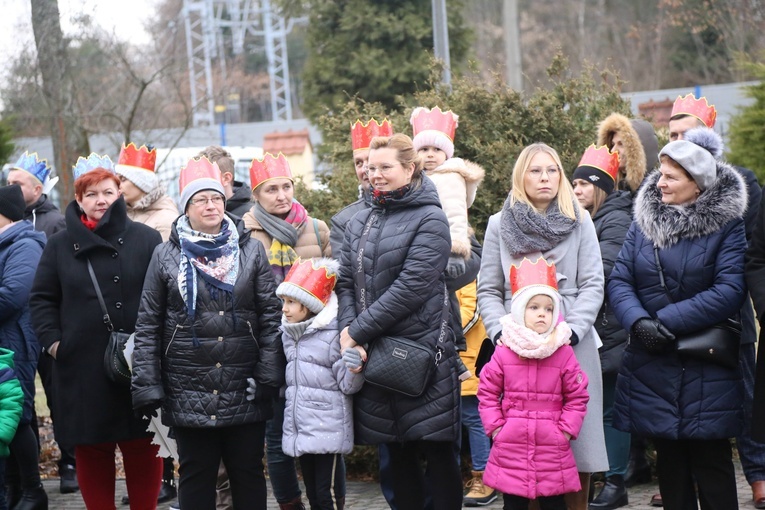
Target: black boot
{"points": [[33, 499], [613, 495], [68, 479], [638, 469], [167, 492]]}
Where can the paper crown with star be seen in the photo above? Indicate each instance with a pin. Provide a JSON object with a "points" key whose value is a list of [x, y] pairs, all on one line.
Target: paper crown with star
{"points": [[598, 166], [310, 282], [270, 167], [699, 108], [362, 134], [92, 162]]}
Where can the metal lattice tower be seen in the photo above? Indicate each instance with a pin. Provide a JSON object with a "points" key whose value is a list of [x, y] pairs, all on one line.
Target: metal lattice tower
{"points": [[205, 21]]}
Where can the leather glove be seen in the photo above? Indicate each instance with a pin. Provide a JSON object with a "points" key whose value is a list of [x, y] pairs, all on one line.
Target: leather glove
{"points": [[352, 359], [456, 266], [252, 389], [148, 411], [574, 338], [652, 335]]}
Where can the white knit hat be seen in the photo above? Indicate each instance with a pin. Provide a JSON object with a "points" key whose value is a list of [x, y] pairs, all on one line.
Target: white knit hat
{"points": [[310, 282], [433, 138], [144, 179], [524, 295]]}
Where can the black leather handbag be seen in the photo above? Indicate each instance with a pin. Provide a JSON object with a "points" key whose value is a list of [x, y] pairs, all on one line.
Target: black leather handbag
{"points": [[719, 343], [115, 364], [398, 364]]}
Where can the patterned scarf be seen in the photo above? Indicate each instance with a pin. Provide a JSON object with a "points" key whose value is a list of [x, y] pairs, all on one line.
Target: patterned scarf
{"points": [[383, 197], [527, 343], [214, 257], [284, 234], [524, 230]]}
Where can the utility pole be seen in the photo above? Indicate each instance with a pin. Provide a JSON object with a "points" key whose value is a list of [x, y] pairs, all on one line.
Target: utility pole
{"points": [[513, 71], [441, 38]]}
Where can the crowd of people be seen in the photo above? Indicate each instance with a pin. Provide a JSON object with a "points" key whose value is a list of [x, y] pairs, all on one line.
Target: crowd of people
{"points": [[606, 310]]}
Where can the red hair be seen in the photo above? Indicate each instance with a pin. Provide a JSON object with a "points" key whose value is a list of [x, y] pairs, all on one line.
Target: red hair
{"points": [[91, 179]]}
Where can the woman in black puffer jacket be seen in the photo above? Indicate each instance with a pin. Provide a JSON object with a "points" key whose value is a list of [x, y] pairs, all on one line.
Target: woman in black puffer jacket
{"points": [[403, 265], [203, 329]]}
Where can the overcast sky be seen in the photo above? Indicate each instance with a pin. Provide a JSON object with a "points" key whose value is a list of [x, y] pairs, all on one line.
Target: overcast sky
{"points": [[124, 18]]}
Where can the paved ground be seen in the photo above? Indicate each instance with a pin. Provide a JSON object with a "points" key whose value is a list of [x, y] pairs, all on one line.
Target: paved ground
{"points": [[367, 496]]}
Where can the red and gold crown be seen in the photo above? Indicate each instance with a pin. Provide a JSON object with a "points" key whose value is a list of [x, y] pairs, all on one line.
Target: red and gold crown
{"points": [[316, 277], [270, 167], [198, 168], [144, 157], [698, 108], [362, 134], [528, 273], [602, 159], [423, 119]]}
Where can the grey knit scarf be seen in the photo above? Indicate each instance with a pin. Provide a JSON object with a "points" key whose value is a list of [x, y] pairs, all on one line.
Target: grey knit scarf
{"points": [[524, 230], [276, 227]]}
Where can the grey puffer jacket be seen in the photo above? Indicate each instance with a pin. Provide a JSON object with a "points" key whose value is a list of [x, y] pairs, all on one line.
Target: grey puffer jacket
{"points": [[404, 262], [318, 417], [205, 386]]}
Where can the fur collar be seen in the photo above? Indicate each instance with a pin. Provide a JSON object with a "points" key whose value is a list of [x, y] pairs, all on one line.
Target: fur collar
{"points": [[325, 317], [527, 343], [470, 171], [148, 199], [634, 170], [665, 225]]}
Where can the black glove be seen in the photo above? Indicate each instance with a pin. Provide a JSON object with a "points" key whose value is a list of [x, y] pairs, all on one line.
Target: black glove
{"points": [[497, 337], [652, 335], [574, 338], [148, 411], [456, 266]]}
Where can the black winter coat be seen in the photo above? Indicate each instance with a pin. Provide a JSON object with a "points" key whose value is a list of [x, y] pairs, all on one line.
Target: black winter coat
{"points": [[205, 385], [45, 216], [404, 262], [340, 220], [612, 221], [89, 407], [241, 201]]}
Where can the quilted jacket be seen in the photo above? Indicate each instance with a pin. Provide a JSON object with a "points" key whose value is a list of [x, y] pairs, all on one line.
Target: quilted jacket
{"points": [[701, 250], [205, 386], [318, 417], [404, 262], [534, 401], [11, 401]]}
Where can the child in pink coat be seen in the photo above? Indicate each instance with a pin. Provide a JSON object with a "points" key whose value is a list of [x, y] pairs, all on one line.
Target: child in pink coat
{"points": [[533, 396]]}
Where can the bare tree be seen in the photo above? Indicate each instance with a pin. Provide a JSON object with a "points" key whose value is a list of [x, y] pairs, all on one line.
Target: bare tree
{"points": [[69, 138]]}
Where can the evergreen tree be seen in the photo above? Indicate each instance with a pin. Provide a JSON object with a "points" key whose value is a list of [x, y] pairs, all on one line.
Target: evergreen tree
{"points": [[371, 49], [747, 128], [6, 140]]}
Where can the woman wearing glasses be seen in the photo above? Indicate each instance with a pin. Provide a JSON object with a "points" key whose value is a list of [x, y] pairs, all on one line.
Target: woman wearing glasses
{"points": [[404, 244], [542, 216], [208, 321]]}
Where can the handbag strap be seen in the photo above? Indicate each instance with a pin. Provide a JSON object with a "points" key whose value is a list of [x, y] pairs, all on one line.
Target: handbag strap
{"points": [[107, 319], [361, 291]]}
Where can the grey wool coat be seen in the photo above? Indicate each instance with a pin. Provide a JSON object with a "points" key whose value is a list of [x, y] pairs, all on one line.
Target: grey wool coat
{"points": [[318, 417], [578, 263]]}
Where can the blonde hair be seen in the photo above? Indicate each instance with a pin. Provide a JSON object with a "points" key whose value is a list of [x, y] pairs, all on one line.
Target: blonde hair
{"points": [[598, 197], [405, 153], [566, 203]]}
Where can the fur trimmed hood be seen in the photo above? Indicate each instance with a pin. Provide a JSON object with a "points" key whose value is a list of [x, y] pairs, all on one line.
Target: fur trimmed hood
{"points": [[636, 153], [665, 225], [470, 171]]}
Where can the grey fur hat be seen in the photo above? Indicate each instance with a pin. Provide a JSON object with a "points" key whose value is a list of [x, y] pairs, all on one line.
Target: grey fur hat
{"points": [[697, 153]]}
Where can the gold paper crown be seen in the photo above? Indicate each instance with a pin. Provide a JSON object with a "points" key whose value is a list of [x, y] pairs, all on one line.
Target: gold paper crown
{"points": [[317, 281], [198, 168], [698, 108], [270, 167], [602, 159], [539, 272], [362, 134], [423, 119], [144, 157]]}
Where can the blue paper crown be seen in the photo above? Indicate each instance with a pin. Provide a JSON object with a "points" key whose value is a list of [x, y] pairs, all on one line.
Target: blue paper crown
{"points": [[85, 165], [33, 164]]}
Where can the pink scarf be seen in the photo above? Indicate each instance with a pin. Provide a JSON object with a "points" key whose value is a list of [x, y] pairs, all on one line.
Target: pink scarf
{"points": [[527, 343]]}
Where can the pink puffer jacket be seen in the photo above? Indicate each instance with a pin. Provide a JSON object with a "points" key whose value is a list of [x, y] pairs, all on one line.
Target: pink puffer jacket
{"points": [[534, 401]]}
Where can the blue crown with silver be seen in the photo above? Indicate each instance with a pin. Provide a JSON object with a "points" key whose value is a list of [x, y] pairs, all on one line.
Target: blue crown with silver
{"points": [[35, 165], [85, 165]]}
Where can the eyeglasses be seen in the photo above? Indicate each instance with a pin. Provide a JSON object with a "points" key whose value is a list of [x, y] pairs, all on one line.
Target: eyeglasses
{"points": [[384, 169], [537, 172], [216, 200]]}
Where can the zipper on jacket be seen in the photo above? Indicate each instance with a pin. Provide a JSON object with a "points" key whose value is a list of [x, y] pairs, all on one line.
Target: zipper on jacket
{"points": [[604, 322], [252, 333], [172, 338], [294, 403]]}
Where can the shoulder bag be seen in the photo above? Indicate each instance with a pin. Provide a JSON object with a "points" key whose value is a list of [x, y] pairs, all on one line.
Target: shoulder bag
{"points": [[717, 344], [394, 363], [115, 364]]}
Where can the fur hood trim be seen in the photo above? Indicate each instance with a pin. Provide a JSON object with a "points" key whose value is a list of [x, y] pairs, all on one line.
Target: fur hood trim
{"points": [[327, 315], [635, 169], [471, 172], [665, 225], [149, 198]]}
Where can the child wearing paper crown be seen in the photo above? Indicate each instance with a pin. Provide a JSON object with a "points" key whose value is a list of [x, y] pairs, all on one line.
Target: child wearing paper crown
{"points": [[318, 418], [533, 395]]}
